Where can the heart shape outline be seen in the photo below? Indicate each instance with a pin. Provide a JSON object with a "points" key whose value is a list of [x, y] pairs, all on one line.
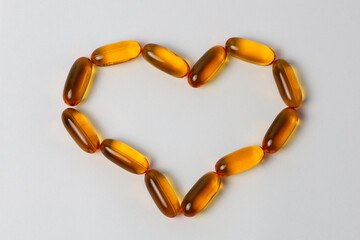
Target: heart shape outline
{"points": [[82, 132]]}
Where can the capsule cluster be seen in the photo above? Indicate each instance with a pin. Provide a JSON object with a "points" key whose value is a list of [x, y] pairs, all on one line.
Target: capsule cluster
{"points": [[202, 71]]}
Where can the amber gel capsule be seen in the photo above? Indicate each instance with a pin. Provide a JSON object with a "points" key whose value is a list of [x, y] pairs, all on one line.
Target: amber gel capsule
{"points": [[165, 60], [80, 130], [200, 194], [206, 67], [162, 193], [287, 83], [116, 53], [77, 81], [279, 131], [250, 51], [124, 156], [239, 160]]}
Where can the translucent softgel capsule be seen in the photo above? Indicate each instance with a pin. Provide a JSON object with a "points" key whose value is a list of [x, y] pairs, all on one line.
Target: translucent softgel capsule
{"points": [[250, 51], [77, 81], [200, 194], [116, 53], [80, 130], [162, 193], [280, 130], [165, 60], [206, 67], [124, 156], [239, 160], [287, 83]]}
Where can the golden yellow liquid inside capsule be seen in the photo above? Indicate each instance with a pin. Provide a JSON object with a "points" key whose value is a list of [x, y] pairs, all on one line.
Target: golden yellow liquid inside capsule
{"points": [[206, 67], [280, 130], [77, 81], [165, 60], [200, 194], [287, 83], [124, 156], [162, 193], [250, 51], [80, 130], [239, 161], [116, 53]]}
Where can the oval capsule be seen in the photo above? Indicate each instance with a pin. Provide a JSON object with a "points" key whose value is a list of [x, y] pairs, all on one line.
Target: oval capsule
{"points": [[250, 51], [162, 193], [280, 130], [239, 161], [80, 130], [77, 81], [165, 60], [124, 156], [206, 67], [200, 194], [115, 53], [287, 83]]}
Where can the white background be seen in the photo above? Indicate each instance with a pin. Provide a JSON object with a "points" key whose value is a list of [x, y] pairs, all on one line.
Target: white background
{"points": [[51, 189]]}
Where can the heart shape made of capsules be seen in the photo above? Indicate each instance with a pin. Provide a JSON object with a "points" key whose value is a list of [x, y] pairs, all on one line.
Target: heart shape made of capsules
{"points": [[203, 70]]}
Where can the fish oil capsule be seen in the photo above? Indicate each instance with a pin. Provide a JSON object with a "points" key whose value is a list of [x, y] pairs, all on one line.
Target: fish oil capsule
{"points": [[162, 193], [206, 67], [124, 156], [279, 131], [165, 60], [115, 53], [77, 81], [200, 194], [239, 160], [80, 130], [287, 83], [250, 51]]}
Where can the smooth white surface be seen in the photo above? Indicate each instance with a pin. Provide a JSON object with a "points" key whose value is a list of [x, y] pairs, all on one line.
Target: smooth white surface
{"points": [[51, 189]]}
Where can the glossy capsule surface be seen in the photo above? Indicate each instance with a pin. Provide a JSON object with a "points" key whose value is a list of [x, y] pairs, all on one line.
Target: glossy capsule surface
{"points": [[77, 81], [124, 156], [200, 194], [206, 67], [239, 161], [287, 83], [162, 193], [116, 53], [165, 60], [80, 130], [250, 51], [280, 130]]}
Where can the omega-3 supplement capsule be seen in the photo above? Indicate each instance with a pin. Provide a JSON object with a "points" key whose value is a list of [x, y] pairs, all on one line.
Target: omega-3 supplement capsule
{"points": [[124, 156], [162, 193], [250, 51], [165, 60], [279, 131], [77, 81], [116, 53], [239, 160], [200, 194], [206, 67], [80, 130], [287, 83]]}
